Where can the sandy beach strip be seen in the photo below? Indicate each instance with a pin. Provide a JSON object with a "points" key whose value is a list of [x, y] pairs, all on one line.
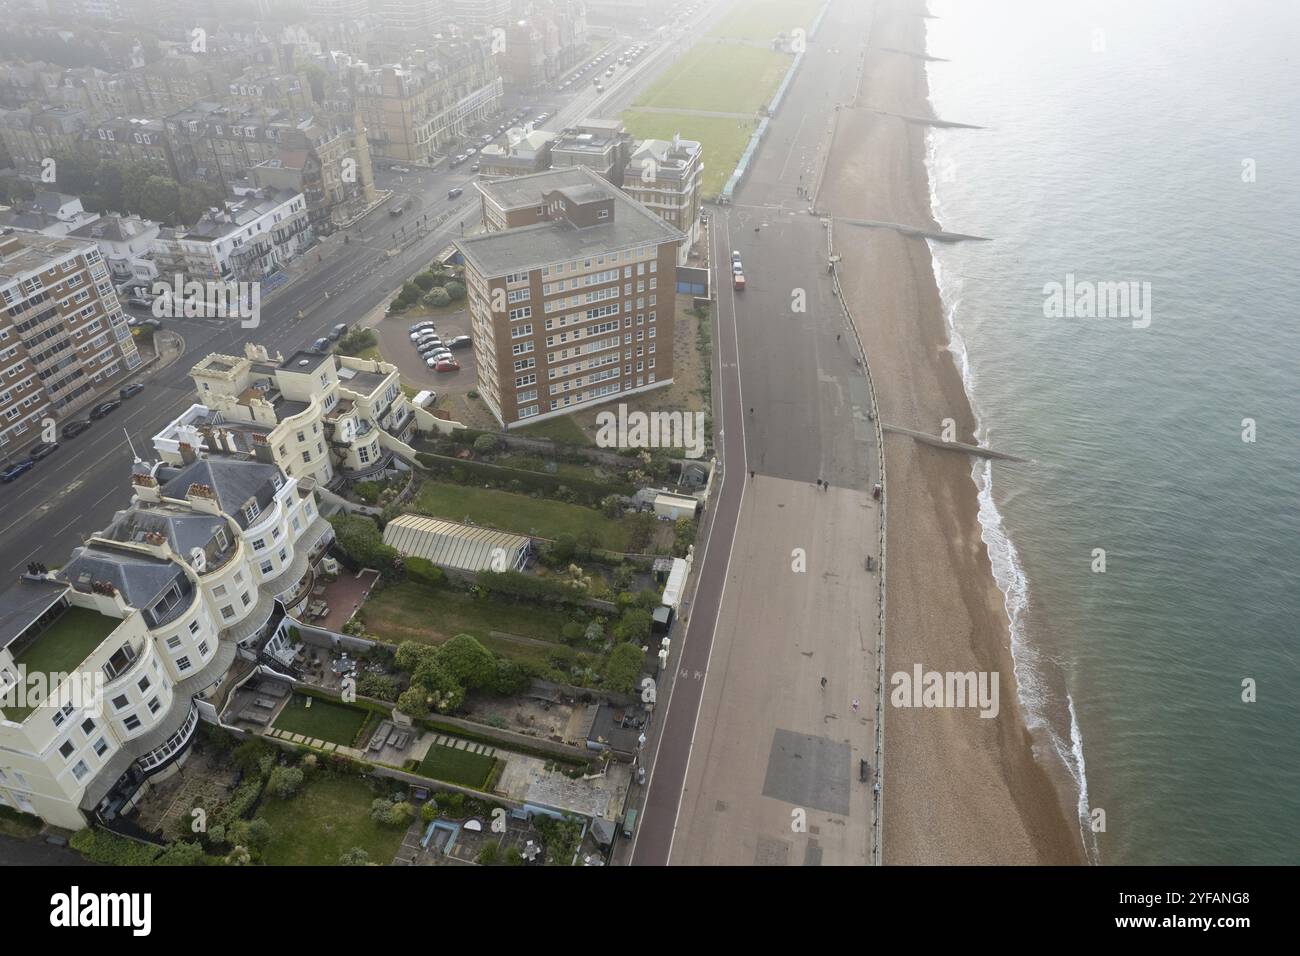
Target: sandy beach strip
{"points": [[958, 788]]}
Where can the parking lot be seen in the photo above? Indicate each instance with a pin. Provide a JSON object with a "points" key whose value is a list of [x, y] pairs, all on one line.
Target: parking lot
{"points": [[395, 346]]}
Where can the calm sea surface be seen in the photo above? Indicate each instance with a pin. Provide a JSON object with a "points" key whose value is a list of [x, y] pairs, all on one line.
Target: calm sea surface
{"points": [[1119, 139]]}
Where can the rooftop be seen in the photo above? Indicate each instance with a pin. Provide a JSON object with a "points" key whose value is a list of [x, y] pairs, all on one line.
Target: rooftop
{"points": [[24, 603], [526, 248], [60, 648]]}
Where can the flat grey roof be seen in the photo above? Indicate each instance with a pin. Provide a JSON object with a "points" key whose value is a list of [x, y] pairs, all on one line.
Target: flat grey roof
{"points": [[23, 603]]}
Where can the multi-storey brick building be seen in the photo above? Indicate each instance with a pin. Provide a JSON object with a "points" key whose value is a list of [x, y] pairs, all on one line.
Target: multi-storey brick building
{"points": [[665, 177], [414, 110], [565, 294], [62, 333]]}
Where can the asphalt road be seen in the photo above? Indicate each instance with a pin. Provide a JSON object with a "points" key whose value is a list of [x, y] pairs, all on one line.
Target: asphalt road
{"points": [[745, 688]]}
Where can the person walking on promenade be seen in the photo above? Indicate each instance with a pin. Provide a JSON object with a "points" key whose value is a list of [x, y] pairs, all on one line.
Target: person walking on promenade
{"points": [[823, 682]]}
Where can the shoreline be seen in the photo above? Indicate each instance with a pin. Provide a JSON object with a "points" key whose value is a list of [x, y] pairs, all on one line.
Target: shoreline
{"points": [[959, 789]]}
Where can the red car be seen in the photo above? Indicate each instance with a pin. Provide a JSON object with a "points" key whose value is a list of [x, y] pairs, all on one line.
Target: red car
{"points": [[447, 365]]}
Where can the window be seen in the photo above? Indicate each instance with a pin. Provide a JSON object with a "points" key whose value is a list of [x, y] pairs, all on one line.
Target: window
{"points": [[80, 770], [61, 715], [267, 567], [174, 641], [87, 726], [66, 750], [143, 684], [203, 648], [194, 629], [245, 598], [131, 723], [228, 611], [183, 663], [154, 706], [260, 543], [120, 701], [101, 747]]}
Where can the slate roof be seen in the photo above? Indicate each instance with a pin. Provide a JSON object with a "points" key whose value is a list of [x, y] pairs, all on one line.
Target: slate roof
{"points": [[232, 480]]}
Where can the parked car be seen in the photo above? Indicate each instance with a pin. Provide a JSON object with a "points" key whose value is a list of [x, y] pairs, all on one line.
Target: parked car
{"points": [[736, 268], [441, 354], [475, 168], [140, 301], [460, 342], [428, 348], [447, 365], [321, 345], [470, 152], [419, 326], [336, 333], [130, 391], [42, 449], [427, 336], [17, 469], [105, 408], [735, 255], [396, 211], [75, 427], [455, 191], [401, 169]]}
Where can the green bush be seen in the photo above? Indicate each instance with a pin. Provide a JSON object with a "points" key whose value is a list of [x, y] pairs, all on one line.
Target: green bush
{"points": [[624, 668], [456, 290], [356, 856], [486, 443], [423, 571], [361, 539], [437, 298], [109, 849], [488, 854], [391, 814], [284, 782], [379, 686], [425, 281], [357, 340]]}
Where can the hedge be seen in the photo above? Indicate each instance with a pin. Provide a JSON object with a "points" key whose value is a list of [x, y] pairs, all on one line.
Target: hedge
{"points": [[584, 488]]}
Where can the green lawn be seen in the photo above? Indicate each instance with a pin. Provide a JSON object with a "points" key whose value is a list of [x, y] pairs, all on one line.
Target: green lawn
{"points": [[761, 20], [61, 648], [457, 766], [521, 514], [411, 611], [330, 816], [721, 78], [324, 719], [562, 429], [723, 140]]}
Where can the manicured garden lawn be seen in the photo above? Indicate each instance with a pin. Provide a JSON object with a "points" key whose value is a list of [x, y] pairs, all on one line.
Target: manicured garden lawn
{"points": [[720, 78], [409, 611], [457, 766], [330, 816], [60, 649], [521, 514], [763, 19], [562, 429], [722, 138], [324, 719]]}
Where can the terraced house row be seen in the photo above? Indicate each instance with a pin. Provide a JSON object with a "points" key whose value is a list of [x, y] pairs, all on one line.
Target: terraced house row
{"points": [[108, 664]]}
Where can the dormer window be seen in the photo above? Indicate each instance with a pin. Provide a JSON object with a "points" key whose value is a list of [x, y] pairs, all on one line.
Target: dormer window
{"points": [[251, 511]]}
